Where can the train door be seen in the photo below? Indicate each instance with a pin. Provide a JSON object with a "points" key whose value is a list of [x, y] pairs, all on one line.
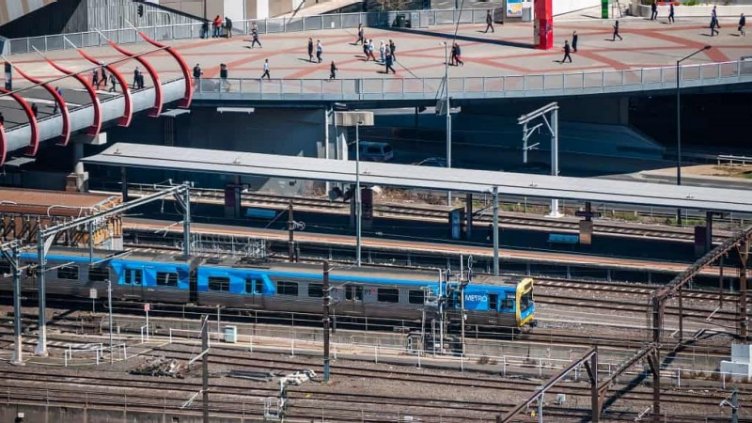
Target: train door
{"points": [[353, 303], [193, 286], [134, 282], [254, 290]]}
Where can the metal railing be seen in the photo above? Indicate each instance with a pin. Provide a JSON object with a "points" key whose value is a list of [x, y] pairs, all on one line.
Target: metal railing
{"points": [[530, 85], [416, 18]]}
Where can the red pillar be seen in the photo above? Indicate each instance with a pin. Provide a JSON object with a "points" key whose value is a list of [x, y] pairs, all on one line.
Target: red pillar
{"points": [[544, 24]]}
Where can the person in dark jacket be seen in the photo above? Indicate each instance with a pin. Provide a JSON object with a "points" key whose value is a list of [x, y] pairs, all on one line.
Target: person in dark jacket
{"points": [[310, 49], [392, 49], [332, 71], [575, 37], [389, 62], [653, 11], [671, 13], [567, 50], [228, 26], [205, 29], [489, 22], [742, 24], [616, 32]]}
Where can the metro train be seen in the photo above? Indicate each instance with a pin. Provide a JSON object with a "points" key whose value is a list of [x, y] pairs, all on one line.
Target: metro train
{"points": [[289, 287]]}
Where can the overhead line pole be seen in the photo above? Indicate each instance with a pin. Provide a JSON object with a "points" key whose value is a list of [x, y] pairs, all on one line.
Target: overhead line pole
{"points": [[45, 238], [15, 269]]}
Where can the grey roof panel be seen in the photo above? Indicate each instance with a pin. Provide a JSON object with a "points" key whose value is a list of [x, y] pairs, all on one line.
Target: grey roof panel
{"points": [[409, 176]]}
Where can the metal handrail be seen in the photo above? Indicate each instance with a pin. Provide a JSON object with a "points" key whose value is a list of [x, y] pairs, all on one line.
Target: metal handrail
{"points": [[479, 86], [418, 18]]}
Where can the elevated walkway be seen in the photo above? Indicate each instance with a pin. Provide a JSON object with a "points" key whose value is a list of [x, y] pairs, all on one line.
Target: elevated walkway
{"points": [[496, 66]]}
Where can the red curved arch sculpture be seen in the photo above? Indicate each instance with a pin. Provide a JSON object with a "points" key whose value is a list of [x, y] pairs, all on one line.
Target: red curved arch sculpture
{"points": [[61, 104], [158, 99], [3, 145], [186, 101], [96, 125], [31, 150], [125, 120]]}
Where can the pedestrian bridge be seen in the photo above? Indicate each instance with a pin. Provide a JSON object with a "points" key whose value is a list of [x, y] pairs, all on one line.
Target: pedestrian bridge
{"points": [[499, 65]]}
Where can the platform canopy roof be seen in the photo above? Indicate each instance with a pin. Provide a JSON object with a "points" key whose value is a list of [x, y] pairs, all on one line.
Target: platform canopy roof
{"points": [[141, 156]]}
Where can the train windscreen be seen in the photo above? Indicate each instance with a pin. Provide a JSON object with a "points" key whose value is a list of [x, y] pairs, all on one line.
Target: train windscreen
{"points": [[526, 300]]}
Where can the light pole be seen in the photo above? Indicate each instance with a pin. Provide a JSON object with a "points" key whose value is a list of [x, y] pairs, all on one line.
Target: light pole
{"points": [[109, 307], [448, 116], [678, 124], [356, 119], [358, 209]]}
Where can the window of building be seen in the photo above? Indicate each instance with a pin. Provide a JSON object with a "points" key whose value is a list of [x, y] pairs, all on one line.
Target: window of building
{"points": [[219, 283], [254, 285], [315, 290], [416, 297], [354, 293], [68, 272], [99, 274], [167, 279], [388, 295], [287, 288]]}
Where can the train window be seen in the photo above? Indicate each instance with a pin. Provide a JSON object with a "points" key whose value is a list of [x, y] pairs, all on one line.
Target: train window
{"points": [[507, 304], [354, 292], [287, 288], [526, 300], [493, 301], [167, 279], [98, 274], [134, 276], [254, 285], [68, 272], [416, 297], [315, 290], [219, 283], [388, 295]]}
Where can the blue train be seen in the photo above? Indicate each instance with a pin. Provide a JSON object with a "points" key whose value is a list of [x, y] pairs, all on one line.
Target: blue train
{"points": [[289, 287]]}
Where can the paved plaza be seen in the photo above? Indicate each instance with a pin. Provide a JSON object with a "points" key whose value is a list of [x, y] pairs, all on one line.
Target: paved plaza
{"points": [[420, 52]]}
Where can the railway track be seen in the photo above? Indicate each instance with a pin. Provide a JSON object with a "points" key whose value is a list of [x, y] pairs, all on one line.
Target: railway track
{"points": [[438, 214]]}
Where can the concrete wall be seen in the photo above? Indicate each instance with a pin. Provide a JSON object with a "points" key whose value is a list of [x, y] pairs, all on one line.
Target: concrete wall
{"points": [[294, 132], [566, 6]]}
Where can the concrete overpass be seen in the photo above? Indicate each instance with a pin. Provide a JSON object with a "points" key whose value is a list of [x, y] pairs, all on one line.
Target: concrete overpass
{"points": [[499, 65]]}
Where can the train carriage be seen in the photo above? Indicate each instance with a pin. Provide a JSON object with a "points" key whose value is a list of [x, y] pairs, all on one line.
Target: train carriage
{"points": [[288, 287]]}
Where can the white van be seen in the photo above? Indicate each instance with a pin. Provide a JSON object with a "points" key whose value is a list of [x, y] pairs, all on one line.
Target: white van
{"points": [[375, 151]]}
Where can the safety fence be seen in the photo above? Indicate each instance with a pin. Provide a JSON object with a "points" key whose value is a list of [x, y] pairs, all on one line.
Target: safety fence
{"points": [[529, 85], [412, 18]]}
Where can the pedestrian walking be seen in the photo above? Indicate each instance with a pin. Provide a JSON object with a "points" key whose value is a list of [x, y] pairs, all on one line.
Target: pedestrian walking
{"points": [[310, 49], [452, 55], [319, 50], [60, 93], [136, 77], [458, 55], [575, 37], [113, 83], [489, 22], [95, 78], [567, 50], [616, 32], [382, 51], [217, 25], [361, 35], [713, 26], [332, 71], [255, 36], [370, 51], [103, 76], [205, 29], [389, 62], [671, 12], [228, 26], [34, 109], [742, 24], [223, 74], [266, 70], [392, 49], [197, 72], [653, 11]]}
